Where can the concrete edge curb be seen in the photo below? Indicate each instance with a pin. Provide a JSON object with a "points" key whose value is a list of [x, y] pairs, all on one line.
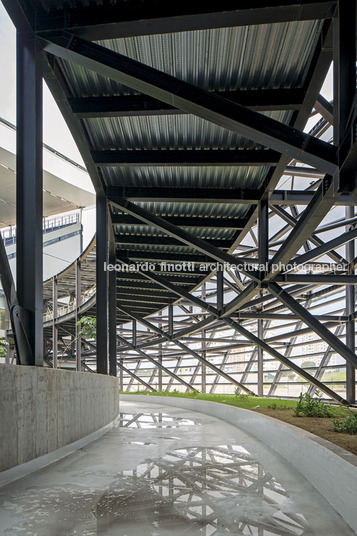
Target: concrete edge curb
{"points": [[329, 468], [20, 471]]}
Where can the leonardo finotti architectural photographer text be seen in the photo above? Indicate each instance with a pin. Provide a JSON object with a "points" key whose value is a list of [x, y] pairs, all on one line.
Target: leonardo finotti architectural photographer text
{"points": [[210, 266]]}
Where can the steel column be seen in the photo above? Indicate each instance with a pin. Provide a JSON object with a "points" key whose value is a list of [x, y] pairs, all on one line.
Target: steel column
{"points": [[260, 359], [54, 327], [350, 324], [78, 327], [102, 286], [29, 190], [112, 319]]}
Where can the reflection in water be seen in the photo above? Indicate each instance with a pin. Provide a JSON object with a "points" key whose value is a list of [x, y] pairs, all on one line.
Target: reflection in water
{"points": [[190, 491], [153, 420]]}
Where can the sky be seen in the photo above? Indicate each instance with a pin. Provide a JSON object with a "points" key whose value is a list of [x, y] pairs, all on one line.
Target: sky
{"points": [[55, 131]]}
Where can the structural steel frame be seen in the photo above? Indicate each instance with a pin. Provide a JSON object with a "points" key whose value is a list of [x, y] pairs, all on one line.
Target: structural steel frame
{"points": [[169, 320]]}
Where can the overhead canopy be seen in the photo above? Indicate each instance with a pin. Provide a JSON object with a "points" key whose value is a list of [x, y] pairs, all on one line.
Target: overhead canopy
{"points": [[58, 195]]}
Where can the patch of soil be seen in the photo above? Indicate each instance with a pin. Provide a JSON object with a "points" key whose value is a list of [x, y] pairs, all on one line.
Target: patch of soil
{"points": [[320, 427]]}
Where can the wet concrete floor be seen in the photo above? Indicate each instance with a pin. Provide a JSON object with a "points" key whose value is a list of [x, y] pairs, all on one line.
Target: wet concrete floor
{"points": [[168, 472]]}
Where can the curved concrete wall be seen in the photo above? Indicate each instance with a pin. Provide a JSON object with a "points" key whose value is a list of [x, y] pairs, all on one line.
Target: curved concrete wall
{"points": [[330, 469], [42, 410]]}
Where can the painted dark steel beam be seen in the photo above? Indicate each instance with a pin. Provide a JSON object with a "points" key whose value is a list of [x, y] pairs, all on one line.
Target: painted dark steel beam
{"points": [[138, 18], [252, 338], [134, 376], [187, 349], [314, 324], [29, 190], [133, 105], [322, 201], [325, 247], [185, 221], [325, 108], [183, 158], [156, 363], [148, 240], [248, 123], [321, 279], [218, 195], [102, 285], [182, 235], [292, 221], [21, 15], [207, 195], [290, 364], [58, 85]]}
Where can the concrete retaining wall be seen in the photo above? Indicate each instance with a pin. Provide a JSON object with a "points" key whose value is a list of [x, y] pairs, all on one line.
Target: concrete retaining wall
{"points": [[42, 410], [330, 469]]}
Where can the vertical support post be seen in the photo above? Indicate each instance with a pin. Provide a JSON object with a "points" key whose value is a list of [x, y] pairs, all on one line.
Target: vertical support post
{"points": [[171, 320], [102, 285], [263, 231], [29, 192], [344, 89], [344, 65], [159, 386], [134, 333], [112, 303], [54, 326], [260, 359], [350, 324], [121, 375], [7, 327], [204, 349], [220, 295], [78, 328], [263, 255]]}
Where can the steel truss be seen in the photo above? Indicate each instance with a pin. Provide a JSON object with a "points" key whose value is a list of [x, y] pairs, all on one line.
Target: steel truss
{"points": [[241, 327]]}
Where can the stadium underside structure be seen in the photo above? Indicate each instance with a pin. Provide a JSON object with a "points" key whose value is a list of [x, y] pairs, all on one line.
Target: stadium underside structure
{"points": [[226, 229]]}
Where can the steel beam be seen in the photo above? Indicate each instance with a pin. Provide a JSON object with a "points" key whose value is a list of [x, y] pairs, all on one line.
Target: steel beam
{"points": [[184, 347], [182, 235], [293, 220], [248, 123], [218, 195], [325, 108], [156, 363], [325, 247], [312, 216], [134, 376], [314, 324], [138, 19], [133, 105], [185, 158], [185, 221], [29, 190]]}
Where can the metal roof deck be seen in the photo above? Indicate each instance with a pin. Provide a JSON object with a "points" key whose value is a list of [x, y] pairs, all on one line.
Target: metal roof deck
{"points": [[146, 144]]}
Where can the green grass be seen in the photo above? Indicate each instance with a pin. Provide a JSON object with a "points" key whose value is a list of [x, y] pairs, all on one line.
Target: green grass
{"points": [[241, 401]]}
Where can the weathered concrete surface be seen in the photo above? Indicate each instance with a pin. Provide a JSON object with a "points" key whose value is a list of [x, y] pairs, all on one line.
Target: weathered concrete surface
{"points": [[168, 472], [330, 469], [43, 409]]}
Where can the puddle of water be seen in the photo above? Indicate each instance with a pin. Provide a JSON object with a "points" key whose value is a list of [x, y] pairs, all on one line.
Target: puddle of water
{"points": [[153, 420], [190, 491]]}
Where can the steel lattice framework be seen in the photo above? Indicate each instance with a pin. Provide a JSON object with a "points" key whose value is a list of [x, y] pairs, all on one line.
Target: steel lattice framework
{"points": [[192, 124]]}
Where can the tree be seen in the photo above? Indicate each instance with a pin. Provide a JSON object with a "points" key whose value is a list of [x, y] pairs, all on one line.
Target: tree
{"points": [[3, 348], [308, 364], [88, 331]]}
